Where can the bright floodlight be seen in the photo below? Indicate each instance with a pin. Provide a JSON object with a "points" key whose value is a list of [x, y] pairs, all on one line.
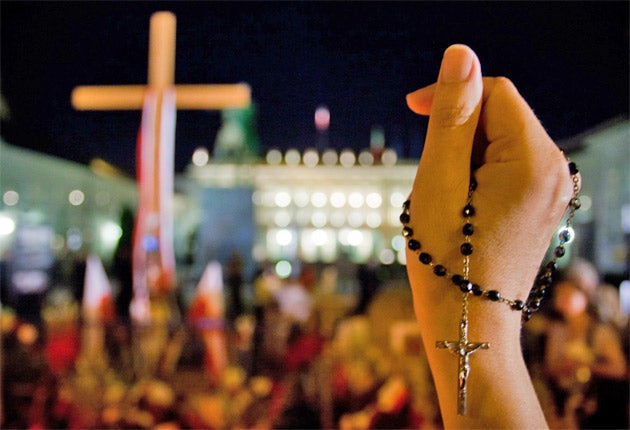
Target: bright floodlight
{"points": [[110, 233], [337, 199], [282, 199], [319, 199], [355, 238], [7, 225], [319, 237], [284, 237]]}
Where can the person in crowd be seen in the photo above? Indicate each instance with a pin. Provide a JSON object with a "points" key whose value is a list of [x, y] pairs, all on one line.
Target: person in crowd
{"points": [[604, 297], [234, 281], [295, 300], [482, 127], [583, 358], [369, 283]]}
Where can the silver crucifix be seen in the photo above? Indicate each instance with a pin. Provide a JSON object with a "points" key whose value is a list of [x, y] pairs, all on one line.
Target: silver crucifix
{"points": [[462, 349]]}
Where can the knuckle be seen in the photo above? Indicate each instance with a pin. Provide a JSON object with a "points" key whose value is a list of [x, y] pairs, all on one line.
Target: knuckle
{"points": [[506, 88], [504, 83]]}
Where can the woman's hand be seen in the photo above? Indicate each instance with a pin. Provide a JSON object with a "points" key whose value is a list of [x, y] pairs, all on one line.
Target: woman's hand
{"points": [[481, 126]]}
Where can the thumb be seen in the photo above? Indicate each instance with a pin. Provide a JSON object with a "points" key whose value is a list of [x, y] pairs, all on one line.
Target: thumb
{"points": [[453, 119]]}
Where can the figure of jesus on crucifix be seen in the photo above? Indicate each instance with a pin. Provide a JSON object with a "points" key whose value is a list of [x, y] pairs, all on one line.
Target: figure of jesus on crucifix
{"points": [[153, 257], [462, 348]]}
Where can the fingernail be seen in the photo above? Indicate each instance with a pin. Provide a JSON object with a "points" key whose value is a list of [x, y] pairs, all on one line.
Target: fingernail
{"points": [[457, 64]]}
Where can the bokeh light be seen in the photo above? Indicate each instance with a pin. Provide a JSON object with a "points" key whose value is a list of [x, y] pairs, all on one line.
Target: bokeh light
{"points": [[76, 197], [322, 118], [7, 225], [274, 157], [283, 269], [200, 157], [11, 198]]}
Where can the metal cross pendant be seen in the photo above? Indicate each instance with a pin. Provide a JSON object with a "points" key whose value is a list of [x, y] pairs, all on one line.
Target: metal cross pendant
{"points": [[462, 348]]}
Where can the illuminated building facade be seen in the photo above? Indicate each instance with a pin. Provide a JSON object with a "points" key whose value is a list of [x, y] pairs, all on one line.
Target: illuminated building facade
{"points": [[313, 207]]}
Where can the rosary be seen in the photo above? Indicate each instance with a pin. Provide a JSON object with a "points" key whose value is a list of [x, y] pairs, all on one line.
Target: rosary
{"points": [[463, 348]]}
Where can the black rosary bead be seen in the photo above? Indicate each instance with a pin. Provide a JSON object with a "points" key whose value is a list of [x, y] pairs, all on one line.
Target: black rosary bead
{"points": [[477, 290], [466, 286], [425, 258], [565, 235], [468, 229], [535, 305], [518, 305], [413, 244], [457, 279], [466, 248], [552, 267], [559, 251], [407, 231], [541, 291], [440, 270], [544, 280], [468, 211], [406, 204], [575, 203], [494, 295], [573, 168], [405, 218]]}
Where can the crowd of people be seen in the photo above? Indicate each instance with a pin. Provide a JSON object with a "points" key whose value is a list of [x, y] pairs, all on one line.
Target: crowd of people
{"points": [[305, 357], [301, 356], [579, 352]]}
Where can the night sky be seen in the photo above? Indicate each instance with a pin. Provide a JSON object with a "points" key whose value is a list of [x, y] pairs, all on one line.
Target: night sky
{"points": [[569, 60]]}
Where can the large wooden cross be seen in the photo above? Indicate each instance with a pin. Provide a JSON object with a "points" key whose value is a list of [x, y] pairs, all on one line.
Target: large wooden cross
{"points": [[153, 256]]}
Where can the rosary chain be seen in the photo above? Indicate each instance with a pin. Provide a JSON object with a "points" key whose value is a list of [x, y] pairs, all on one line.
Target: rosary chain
{"points": [[544, 278]]}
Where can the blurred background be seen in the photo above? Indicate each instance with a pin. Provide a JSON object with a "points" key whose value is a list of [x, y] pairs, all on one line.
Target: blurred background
{"points": [[287, 211]]}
